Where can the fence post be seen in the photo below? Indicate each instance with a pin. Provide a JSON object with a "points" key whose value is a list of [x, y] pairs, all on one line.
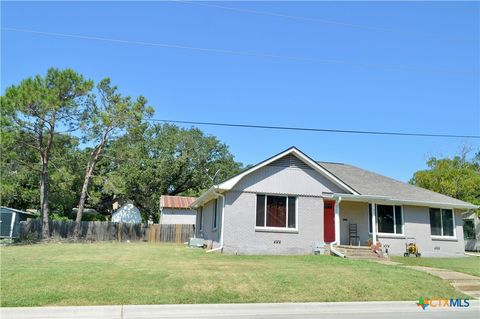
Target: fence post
{"points": [[119, 235], [178, 233], [151, 233]]}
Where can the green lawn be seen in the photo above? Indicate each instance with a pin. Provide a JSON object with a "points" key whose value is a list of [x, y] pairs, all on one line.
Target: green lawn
{"points": [[468, 265], [121, 273]]}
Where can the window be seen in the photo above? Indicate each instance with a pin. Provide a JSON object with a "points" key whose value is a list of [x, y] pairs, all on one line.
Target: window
{"points": [[441, 222], [469, 229], [276, 211], [200, 226], [389, 219], [215, 207]]}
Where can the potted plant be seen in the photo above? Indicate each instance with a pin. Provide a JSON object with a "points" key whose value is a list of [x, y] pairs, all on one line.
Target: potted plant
{"points": [[369, 242]]}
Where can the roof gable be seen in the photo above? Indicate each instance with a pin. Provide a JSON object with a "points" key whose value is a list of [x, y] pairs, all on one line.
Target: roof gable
{"points": [[284, 159]]}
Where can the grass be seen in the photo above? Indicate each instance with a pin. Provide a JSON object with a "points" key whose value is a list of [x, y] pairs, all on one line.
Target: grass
{"points": [[121, 273], [468, 265]]}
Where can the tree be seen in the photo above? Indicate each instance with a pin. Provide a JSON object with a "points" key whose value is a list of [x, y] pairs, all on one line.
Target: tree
{"points": [[165, 159], [110, 114], [19, 165], [35, 108], [458, 177]]}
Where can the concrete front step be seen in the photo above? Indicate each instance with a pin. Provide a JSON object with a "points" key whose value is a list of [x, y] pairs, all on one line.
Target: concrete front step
{"points": [[354, 247], [355, 252]]}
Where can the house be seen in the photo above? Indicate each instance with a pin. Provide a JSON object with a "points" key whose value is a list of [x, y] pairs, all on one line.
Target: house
{"points": [[176, 210], [289, 203], [125, 212], [471, 231], [10, 221]]}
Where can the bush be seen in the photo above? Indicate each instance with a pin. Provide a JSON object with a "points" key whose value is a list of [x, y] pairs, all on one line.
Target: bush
{"points": [[57, 216]]}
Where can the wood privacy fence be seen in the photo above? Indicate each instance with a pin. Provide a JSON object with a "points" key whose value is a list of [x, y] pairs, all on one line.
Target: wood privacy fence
{"points": [[108, 231]]}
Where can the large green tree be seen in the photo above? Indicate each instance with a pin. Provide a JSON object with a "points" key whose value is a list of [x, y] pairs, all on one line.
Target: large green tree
{"points": [[46, 162], [165, 159], [109, 114], [458, 177], [20, 179], [36, 109]]}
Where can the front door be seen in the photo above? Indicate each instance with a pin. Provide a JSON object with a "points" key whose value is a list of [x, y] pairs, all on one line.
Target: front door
{"points": [[328, 221]]}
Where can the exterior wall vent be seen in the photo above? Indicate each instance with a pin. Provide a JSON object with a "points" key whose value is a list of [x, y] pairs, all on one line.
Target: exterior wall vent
{"points": [[290, 161]]}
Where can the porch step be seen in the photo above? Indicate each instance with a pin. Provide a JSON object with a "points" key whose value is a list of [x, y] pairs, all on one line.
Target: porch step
{"points": [[355, 252]]}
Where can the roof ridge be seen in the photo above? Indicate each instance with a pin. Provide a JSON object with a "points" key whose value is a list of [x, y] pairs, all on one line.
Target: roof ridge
{"points": [[327, 162]]}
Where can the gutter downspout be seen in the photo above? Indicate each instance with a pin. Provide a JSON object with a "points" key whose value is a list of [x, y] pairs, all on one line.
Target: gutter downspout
{"points": [[337, 227], [223, 223]]}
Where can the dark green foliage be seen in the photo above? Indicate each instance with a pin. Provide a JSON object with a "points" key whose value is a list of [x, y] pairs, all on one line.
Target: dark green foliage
{"points": [[458, 177], [164, 159], [140, 161]]}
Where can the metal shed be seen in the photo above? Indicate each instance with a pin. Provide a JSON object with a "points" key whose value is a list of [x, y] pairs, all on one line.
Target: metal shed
{"points": [[10, 221]]}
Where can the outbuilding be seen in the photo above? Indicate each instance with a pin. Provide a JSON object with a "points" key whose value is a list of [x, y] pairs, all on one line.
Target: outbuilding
{"points": [[10, 219], [176, 210]]}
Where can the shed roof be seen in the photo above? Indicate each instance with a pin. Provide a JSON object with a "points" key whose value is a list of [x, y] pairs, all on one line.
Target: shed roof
{"points": [[370, 183], [18, 211], [179, 202]]}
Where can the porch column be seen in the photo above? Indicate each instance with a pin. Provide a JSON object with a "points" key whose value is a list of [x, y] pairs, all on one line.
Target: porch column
{"points": [[374, 223], [337, 220]]}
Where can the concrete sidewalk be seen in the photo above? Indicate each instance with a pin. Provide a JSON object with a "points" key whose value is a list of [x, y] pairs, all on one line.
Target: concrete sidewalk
{"points": [[351, 310], [468, 284]]}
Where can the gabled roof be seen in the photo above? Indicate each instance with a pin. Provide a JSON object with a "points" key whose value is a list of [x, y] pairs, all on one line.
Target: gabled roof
{"points": [[359, 184], [228, 184], [372, 184], [179, 202]]}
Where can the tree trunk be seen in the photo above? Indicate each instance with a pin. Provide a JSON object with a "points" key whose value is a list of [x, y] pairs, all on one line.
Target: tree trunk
{"points": [[44, 198], [83, 198], [86, 181], [44, 157]]}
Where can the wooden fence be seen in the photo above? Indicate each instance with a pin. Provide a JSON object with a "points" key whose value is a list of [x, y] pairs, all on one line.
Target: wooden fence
{"points": [[108, 231]]}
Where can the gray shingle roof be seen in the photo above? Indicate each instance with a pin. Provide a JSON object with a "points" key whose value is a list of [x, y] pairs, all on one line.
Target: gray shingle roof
{"points": [[369, 183]]}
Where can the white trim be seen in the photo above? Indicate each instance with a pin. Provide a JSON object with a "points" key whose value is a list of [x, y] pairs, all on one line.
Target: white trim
{"points": [[381, 234], [387, 200], [276, 230], [388, 235], [12, 223], [220, 248], [336, 219], [446, 237], [200, 228], [215, 215], [207, 196], [228, 184], [270, 228], [374, 223]]}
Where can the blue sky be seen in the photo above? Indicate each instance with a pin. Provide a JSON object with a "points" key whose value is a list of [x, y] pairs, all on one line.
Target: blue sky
{"points": [[411, 67]]}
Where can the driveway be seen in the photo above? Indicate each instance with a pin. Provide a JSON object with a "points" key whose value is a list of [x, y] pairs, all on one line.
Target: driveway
{"points": [[336, 310]]}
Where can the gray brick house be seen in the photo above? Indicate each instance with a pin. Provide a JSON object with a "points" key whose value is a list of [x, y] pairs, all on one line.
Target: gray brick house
{"points": [[289, 203]]}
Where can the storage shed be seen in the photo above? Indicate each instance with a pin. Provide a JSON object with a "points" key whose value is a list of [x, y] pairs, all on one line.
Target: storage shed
{"points": [[10, 219], [176, 210], [127, 213]]}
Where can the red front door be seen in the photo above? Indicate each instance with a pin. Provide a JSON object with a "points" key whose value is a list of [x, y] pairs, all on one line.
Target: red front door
{"points": [[328, 221]]}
